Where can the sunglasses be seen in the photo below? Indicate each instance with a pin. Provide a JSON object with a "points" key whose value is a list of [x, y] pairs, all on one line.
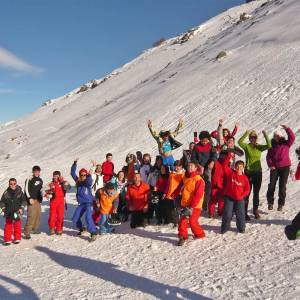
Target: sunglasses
{"points": [[253, 137]]}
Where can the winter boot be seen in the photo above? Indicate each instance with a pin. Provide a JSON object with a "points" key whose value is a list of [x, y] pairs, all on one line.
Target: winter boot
{"points": [[93, 237], [280, 207], [27, 236], [6, 243], [181, 241], [51, 231], [270, 206], [256, 214], [247, 218], [16, 242]]}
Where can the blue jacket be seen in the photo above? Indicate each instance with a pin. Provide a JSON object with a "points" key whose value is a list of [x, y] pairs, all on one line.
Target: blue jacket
{"points": [[84, 189]]}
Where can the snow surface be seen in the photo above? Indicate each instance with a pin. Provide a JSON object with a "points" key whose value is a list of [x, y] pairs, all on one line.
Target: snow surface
{"points": [[257, 84]]}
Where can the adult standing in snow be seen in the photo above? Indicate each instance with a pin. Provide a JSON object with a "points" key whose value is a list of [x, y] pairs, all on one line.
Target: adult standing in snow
{"points": [[204, 156], [56, 193], [85, 200], [131, 168], [12, 202], [191, 204], [137, 197], [34, 194], [279, 162], [253, 152], [166, 142]]}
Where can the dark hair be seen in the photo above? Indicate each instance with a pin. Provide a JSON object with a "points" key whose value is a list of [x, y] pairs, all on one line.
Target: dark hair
{"points": [[239, 162], [167, 171], [109, 186], [55, 173], [178, 163], [204, 135], [12, 179], [36, 168], [163, 134], [191, 143], [108, 154], [124, 175]]}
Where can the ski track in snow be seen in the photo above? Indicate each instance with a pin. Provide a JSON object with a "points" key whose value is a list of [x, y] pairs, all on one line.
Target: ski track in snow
{"points": [[257, 84]]}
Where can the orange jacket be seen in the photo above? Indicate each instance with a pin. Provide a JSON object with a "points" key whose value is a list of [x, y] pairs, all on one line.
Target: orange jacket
{"points": [[173, 186], [106, 202], [137, 197], [192, 191]]}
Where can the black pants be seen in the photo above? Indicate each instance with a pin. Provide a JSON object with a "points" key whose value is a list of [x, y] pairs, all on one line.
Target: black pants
{"points": [[155, 208], [137, 219], [207, 193], [283, 175], [231, 206], [291, 230], [255, 179], [168, 212]]}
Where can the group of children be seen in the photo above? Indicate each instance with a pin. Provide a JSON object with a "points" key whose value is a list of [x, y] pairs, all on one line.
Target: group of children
{"points": [[208, 175]]}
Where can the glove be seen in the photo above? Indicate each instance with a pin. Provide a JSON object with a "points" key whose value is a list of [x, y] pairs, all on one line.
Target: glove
{"points": [[186, 212]]}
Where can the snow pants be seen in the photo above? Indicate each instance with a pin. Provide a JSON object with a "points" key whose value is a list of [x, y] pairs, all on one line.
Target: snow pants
{"points": [[56, 216], [282, 174], [193, 221], [168, 212], [87, 209], [216, 198], [12, 228], [237, 207], [255, 179], [137, 219]]}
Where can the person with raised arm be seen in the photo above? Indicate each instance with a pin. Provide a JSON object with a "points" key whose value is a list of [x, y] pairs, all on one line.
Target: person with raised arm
{"points": [[85, 200], [279, 162], [166, 142], [253, 170]]}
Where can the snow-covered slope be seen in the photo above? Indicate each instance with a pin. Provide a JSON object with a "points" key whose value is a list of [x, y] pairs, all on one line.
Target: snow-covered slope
{"points": [[256, 84]]}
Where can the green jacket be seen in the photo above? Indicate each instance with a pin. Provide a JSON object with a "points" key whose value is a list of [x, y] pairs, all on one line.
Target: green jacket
{"points": [[159, 140], [253, 152]]}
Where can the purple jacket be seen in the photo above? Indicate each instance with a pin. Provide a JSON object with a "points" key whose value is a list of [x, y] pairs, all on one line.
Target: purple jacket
{"points": [[278, 156]]}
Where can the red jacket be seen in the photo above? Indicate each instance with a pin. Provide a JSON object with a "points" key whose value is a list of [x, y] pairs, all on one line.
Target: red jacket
{"points": [[236, 187], [137, 197], [161, 184], [57, 191], [107, 171]]}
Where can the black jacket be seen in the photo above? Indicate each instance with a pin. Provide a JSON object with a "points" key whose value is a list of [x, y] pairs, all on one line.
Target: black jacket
{"points": [[33, 188], [12, 201]]}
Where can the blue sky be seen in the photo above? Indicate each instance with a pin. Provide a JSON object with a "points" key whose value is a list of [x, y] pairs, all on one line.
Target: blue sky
{"points": [[49, 47]]}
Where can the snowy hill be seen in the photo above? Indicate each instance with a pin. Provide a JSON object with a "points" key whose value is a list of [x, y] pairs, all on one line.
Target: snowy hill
{"points": [[256, 83]]}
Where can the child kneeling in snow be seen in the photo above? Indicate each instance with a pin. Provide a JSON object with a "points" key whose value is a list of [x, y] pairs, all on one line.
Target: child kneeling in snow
{"points": [[108, 204], [12, 202], [191, 204], [236, 189]]}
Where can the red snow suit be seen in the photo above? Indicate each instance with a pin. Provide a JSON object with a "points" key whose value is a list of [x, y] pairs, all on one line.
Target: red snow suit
{"points": [[12, 228], [57, 206]]}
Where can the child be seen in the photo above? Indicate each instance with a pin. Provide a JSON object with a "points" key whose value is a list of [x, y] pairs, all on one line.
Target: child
{"points": [[170, 197], [191, 205], [56, 193], [237, 188], [96, 173], [145, 167], [85, 200], [108, 168], [34, 194], [120, 185], [12, 202], [107, 203], [137, 197], [131, 168]]}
